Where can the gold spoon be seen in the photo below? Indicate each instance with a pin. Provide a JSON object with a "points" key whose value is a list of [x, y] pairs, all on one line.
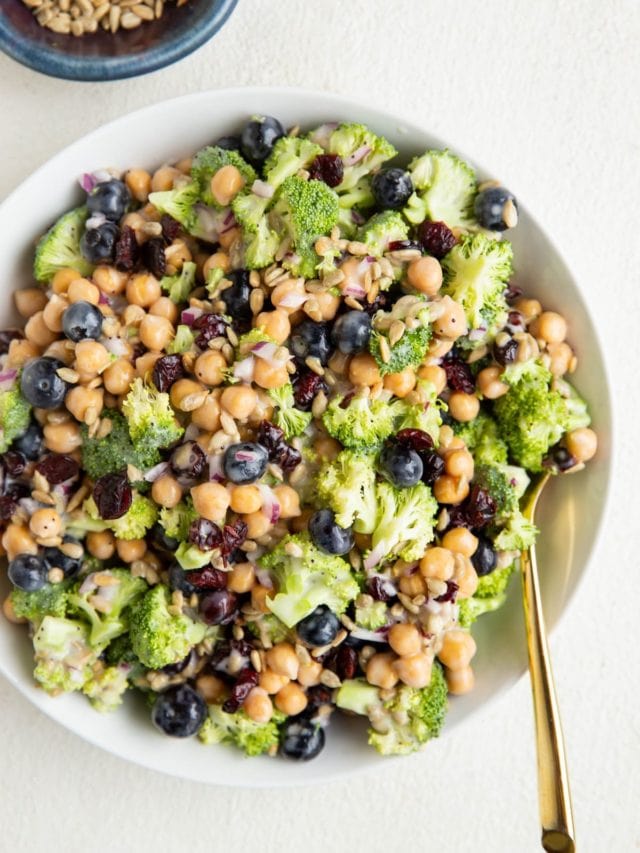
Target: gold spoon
{"points": [[556, 810]]}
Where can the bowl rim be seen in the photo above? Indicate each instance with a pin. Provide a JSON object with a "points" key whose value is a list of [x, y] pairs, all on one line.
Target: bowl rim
{"points": [[610, 457], [55, 63]]}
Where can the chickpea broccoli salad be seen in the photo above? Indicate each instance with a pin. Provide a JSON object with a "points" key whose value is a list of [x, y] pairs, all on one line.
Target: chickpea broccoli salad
{"points": [[265, 433]]}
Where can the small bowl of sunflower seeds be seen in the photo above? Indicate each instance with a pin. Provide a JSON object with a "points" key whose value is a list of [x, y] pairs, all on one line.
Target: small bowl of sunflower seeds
{"points": [[107, 39]]}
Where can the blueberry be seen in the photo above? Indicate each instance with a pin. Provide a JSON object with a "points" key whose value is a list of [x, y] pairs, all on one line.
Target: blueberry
{"points": [[41, 385], [179, 711], [110, 198], [319, 628], [28, 572], [351, 332], [236, 297], [229, 143], [258, 138], [391, 188], [490, 209], [484, 558], [161, 540], [401, 465], [31, 442], [245, 462], [219, 607], [327, 535], [311, 339], [82, 320], [433, 467], [54, 558], [301, 740], [98, 244], [179, 579]]}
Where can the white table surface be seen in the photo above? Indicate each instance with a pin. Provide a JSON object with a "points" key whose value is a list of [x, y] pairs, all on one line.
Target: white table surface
{"points": [[545, 94]]}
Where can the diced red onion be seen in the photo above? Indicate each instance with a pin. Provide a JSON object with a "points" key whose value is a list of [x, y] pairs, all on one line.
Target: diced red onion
{"points": [[157, 471], [358, 155], [88, 584], [373, 557], [264, 578], [243, 370], [116, 346], [190, 315], [293, 299], [322, 134], [292, 258], [262, 189], [216, 471], [87, 182], [7, 378], [364, 264], [210, 222], [270, 504], [354, 289], [477, 334], [368, 636], [357, 217]]}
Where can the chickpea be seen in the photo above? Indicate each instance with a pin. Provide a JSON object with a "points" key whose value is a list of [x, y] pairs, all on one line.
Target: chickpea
{"points": [[301, 522], [414, 670], [10, 613], [228, 238], [437, 563], [425, 274], [289, 501], [269, 376], [91, 357], [133, 316], [211, 688], [452, 323], [257, 524], [438, 348], [404, 638], [246, 499], [146, 362], [275, 324], [118, 377], [460, 541], [309, 673], [529, 308], [84, 402], [327, 448], [380, 671], [58, 349], [187, 395], [37, 331], [226, 184], [459, 463], [101, 544], [465, 576], [257, 706], [210, 500], [209, 367], [450, 490], [412, 585], [328, 303], [83, 290], [139, 183], [460, 681], [363, 370], [489, 383], [458, 647], [62, 438], [463, 407], [184, 165], [165, 307], [110, 280], [30, 300], [63, 278], [560, 358], [17, 539], [219, 260], [582, 444], [166, 491], [283, 660], [20, 352], [45, 523], [177, 254], [241, 578], [291, 699], [130, 550], [550, 327], [163, 179], [239, 401], [207, 415], [401, 383], [434, 374], [156, 332], [339, 362], [281, 291]]}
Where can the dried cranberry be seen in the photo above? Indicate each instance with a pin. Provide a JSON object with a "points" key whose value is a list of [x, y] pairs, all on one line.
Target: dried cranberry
{"points": [[8, 505], [233, 536], [154, 257], [433, 467], [512, 293], [15, 491], [382, 302], [166, 371], [343, 661], [245, 682], [305, 388], [272, 438], [459, 376], [328, 168], [379, 589], [219, 607], [58, 467], [437, 238], [506, 352], [188, 460], [515, 322], [177, 668], [450, 594], [289, 458], [127, 249], [207, 578], [205, 535], [403, 245], [112, 494], [8, 335], [232, 647], [14, 463], [416, 439], [170, 228], [476, 511], [317, 696], [209, 326], [139, 350]]}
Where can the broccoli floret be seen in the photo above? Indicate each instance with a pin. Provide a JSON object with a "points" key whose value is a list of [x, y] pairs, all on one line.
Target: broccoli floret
{"points": [[490, 595], [291, 421], [50, 600], [208, 161], [517, 535], [506, 484], [241, 731], [247, 341], [249, 210], [103, 599], [405, 522], [191, 557], [362, 425], [179, 203], [304, 211], [372, 616], [114, 451], [270, 627], [260, 247], [423, 415], [177, 520], [152, 422], [137, 520], [15, 413], [106, 687], [409, 351], [183, 340], [347, 485], [361, 151], [178, 287], [483, 439], [358, 696], [288, 156], [63, 656], [383, 228], [158, 637], [60, 247], [496, 481], [307, 577], [444, 190]]}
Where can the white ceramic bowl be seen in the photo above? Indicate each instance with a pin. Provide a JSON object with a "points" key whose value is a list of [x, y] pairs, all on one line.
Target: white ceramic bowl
{"points": [[572, 510]]}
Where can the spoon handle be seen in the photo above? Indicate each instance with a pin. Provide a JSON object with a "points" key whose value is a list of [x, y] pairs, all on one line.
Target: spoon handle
{"points": [[556, 810]]}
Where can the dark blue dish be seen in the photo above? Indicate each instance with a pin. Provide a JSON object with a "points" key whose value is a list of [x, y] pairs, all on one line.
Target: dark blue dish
{"points": [[103, 56]]}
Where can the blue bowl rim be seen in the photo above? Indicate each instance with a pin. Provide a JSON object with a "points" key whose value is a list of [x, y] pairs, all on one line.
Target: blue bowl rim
{"points": [[67, 67]]}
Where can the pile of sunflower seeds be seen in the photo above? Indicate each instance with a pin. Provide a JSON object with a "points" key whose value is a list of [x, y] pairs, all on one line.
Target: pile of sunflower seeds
{"points": [[77, 17]]}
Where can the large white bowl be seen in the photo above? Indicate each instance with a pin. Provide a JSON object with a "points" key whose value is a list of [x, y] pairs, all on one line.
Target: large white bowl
{"points": [[572, 510]]}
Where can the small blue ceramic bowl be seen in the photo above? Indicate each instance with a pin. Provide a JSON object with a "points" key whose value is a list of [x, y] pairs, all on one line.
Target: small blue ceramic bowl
{"points": [[104, 56]]}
